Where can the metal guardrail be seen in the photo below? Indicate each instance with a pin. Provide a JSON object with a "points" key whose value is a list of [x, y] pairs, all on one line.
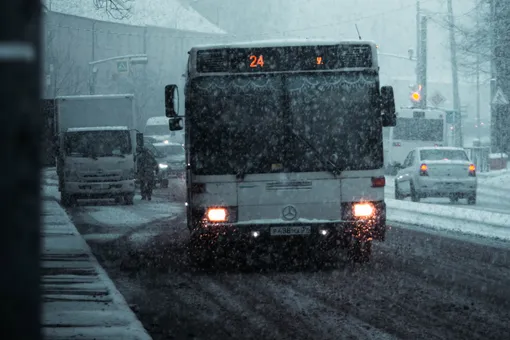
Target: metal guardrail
{"points": [[479, 155]]}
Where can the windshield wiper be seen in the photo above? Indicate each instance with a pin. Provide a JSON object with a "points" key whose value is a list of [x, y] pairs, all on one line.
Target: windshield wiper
{"points": [[330, 166]]}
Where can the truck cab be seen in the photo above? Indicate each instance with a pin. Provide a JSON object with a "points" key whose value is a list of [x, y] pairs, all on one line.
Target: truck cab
{"points": [[97, 162]]}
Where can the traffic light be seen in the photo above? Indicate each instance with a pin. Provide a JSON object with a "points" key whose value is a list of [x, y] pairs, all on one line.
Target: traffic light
{"points": [[416, 95]]}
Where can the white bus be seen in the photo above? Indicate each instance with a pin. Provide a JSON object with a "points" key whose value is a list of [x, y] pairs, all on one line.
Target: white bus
{"points": [[415, 128], [284, 144]]}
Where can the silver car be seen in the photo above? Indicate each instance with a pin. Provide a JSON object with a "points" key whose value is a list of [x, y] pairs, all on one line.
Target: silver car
{"points": [[437, 172]]}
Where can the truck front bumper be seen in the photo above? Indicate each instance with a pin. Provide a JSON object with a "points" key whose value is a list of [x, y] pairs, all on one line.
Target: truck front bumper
{"points": [[100, 189]]}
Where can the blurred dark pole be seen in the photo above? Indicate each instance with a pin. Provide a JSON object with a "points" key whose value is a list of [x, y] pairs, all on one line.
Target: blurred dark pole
{"points": [[20, 84]]}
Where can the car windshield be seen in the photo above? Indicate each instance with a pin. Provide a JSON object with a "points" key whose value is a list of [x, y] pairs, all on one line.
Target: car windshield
{"points": [[443, 154]]}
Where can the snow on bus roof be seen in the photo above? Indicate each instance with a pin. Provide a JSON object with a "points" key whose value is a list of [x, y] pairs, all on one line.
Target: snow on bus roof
{"points": [[284, 42], [439, 147], [98, 128]]}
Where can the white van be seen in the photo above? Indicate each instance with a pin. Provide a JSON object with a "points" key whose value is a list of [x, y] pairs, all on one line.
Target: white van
{"points": [[157, 128]]}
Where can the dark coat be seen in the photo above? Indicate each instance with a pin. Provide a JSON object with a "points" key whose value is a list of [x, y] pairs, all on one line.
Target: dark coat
{"points": [[147, 165]]}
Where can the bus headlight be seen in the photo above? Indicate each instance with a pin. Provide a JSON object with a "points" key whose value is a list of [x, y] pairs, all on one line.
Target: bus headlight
{"points": [[217, 214], [363, 210], [163, 166]]}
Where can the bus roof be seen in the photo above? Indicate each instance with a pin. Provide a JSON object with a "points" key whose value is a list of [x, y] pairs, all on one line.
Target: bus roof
{"points": [[283, 43]]}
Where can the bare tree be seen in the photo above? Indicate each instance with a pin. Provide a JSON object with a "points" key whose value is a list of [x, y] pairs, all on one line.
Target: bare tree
{"points": [[117, 9]]}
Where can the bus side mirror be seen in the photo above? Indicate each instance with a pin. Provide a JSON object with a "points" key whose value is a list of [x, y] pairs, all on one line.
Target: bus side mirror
{"points": [[139, 140], [388, 111], [175, 124], [171, 100]]}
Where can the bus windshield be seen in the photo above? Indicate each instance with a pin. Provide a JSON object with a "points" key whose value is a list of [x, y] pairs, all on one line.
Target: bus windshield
{"points": [[249, 124], [419, 129]]}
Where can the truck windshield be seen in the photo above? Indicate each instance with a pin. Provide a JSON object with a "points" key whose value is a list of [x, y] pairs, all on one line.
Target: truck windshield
{"points": [[419, 129], [97, 143], [249, 124]]}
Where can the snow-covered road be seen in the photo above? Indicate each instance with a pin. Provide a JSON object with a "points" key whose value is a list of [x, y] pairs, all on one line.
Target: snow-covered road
{"points": [[421, 283], [419, 286]]}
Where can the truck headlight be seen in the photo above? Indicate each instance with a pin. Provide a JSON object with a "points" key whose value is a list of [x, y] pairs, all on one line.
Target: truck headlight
{"points": [[163, 166]]}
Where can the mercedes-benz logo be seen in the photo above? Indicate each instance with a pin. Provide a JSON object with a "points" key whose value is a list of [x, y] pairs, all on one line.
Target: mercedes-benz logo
{"points": [[289, 213]]}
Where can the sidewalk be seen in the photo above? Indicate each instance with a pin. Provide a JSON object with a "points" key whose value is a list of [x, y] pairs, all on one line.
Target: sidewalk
{"points": [[79, 300]]}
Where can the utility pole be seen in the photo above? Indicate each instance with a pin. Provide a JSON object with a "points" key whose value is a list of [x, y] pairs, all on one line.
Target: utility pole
{"points": [[422, 63], [418, 38], [495, 128], [20, 131], [478, 120], [455, 78]]}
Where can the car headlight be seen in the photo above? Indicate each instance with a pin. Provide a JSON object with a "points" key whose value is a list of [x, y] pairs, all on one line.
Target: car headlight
{"points": [[163, 166], [363, 210]]}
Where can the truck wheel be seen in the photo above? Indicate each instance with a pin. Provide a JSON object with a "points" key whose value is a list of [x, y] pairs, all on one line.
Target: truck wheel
{"points": [[164, 183], [129, 199], [360, 251]]}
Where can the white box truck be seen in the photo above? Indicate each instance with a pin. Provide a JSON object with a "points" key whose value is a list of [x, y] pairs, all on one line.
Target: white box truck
{"points": [[96, 145]]}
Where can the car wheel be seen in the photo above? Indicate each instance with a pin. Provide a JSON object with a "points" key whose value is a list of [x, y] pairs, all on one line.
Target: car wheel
{"points": [[471, 200], [398, 194], [415, 197]]}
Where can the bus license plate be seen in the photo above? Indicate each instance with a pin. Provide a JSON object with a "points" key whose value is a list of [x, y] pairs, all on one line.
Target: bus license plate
{"points": [[287, 231]]}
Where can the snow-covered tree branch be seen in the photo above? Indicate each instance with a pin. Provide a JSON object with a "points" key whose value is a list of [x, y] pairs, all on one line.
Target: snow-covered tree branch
{"points": [[117, 9]]}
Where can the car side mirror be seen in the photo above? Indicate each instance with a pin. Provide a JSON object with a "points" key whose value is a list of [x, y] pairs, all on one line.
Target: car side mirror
{"points": [[171, 100], [175, 124], [388, 111]]}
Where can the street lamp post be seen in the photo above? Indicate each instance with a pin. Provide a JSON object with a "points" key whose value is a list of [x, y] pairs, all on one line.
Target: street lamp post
{"points": [[130, 59]]}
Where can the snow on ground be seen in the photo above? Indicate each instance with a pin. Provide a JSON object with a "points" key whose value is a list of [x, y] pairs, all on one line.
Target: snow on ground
{"points": [[458, 219]]}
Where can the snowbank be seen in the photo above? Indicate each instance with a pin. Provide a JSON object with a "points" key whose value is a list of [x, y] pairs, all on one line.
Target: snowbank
{"points": [[440, 217]]}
